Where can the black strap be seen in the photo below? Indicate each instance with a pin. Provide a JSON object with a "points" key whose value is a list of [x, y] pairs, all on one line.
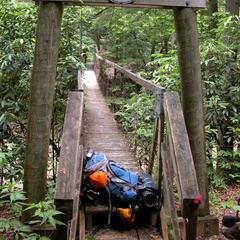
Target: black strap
{"points": [[237, 214], [109, 204], [138, 237]]}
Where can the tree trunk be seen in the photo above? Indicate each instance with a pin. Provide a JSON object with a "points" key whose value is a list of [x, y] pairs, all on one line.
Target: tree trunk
{"points": [[213, 7], [192, 95], [232, 6], [41, 102]]}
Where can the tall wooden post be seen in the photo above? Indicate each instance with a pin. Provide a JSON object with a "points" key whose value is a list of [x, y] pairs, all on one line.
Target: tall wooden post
{"points": [[192, 95], [41, 102]]}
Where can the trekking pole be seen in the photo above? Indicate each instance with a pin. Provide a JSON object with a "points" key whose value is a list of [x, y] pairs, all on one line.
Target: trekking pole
{"points": [[238, 210]]}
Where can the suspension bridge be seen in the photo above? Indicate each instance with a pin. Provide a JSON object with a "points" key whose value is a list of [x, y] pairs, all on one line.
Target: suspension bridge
{"points": [[90, 123], [177, 151]]}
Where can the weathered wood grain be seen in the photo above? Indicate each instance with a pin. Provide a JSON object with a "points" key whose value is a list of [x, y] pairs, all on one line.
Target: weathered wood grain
{"points": [[179, 152], [168, 194], [68, 170], [41, 103], [69, 173], [180, 147], [76, 198], [82, 223]]}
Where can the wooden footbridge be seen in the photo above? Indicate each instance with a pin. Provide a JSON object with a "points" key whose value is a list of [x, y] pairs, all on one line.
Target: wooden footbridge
{"points": [[90, 123], [178, 146]]}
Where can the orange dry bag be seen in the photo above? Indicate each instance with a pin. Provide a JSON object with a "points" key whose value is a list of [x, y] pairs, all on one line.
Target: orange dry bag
{"points": [[126, 214], [98, 179]]}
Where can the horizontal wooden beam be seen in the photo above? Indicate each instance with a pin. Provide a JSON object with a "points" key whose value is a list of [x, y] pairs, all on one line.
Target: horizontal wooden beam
{"points": [[206, 226], [101, 208], [136, 3]]}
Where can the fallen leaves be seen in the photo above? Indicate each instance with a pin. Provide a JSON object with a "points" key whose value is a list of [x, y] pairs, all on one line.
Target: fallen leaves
{"points": [[63, 171]]}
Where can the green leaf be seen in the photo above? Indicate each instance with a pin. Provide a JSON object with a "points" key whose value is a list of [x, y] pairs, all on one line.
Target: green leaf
{"points": [[34, 221], [52, 221], [17, 196], [44, 238], [91, 238]]}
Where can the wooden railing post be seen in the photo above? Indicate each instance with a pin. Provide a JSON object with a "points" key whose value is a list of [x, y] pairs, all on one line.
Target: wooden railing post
{"points": [[169, 200], [157, 135], [192, 95], [153, 150], [80, 81]]}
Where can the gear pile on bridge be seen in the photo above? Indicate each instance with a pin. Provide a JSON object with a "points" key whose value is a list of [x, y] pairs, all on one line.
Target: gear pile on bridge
{"points": [[105, 181]]}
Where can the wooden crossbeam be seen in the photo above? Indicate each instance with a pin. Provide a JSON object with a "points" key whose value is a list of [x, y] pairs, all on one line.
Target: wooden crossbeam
{"points": [[136, 3]]}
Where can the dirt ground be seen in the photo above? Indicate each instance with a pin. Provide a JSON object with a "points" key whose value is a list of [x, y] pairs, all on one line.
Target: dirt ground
{"points": [[222, 202]]}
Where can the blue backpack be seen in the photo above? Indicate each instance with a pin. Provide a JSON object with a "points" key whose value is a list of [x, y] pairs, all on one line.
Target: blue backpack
{"points": [[95, 162], [122, 182], [124, 187]]}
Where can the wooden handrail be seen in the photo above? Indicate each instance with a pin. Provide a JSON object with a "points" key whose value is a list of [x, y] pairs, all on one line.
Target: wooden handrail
{"points": [[70, 166], [179, 146], [178, 155], [138, 79], [174, 156]]}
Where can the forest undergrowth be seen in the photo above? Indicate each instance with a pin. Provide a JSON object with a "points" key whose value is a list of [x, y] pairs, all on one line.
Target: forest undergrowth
{"points": [[223, 202]]}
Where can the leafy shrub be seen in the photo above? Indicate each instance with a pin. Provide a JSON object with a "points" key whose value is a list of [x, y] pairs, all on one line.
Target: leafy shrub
{"points": [[12, 196], [136, 117], [220, 66]]}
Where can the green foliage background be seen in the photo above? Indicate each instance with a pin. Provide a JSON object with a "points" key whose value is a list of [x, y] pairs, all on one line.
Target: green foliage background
{"points": [[143, 40], [219, 51]]}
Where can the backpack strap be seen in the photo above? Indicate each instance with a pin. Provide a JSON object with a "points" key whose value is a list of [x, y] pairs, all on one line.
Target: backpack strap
{"points": [[132, 206], [109, 205]]}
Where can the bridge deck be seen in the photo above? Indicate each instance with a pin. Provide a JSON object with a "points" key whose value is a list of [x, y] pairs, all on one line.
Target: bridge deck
{"points": [[101, 131]]}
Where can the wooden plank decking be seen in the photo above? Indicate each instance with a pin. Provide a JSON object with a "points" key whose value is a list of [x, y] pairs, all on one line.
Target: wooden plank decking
{"points": [[101, 131], [102, 134]]}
